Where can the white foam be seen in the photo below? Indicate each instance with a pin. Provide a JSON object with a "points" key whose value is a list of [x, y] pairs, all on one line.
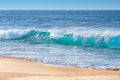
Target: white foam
{"points": [[12, 34], [16, 33]]}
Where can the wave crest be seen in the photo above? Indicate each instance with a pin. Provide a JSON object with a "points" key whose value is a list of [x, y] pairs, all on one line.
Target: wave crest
{"points": [[83, 39]]}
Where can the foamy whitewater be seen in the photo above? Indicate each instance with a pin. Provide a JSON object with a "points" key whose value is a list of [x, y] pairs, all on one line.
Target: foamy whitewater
{"points": [[85, 39]]}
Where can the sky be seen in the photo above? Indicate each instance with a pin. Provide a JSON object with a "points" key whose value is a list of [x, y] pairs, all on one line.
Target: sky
{"points": [[59, 4]]}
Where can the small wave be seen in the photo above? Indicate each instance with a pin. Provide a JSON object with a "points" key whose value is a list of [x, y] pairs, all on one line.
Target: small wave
{"points": [[97, 39]]}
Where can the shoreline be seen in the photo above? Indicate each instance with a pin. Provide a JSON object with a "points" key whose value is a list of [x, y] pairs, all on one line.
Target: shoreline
{"points": [[108, 69], [23, 69]]}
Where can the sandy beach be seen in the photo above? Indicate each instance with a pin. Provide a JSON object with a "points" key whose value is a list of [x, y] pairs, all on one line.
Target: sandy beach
{"points": [[19, 69]]}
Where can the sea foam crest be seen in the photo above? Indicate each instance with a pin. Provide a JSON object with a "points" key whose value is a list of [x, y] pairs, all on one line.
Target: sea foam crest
{"points": [[83, 38], [12, 34]]}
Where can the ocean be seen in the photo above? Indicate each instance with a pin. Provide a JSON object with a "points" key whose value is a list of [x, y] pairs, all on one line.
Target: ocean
{"points": [[75, 38]]}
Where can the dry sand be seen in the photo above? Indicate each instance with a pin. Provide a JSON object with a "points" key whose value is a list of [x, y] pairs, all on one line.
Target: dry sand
{"points": [[18, 69]]}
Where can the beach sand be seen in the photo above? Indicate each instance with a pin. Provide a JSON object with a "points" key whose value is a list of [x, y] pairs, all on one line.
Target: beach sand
{"points": [[19, 69]]}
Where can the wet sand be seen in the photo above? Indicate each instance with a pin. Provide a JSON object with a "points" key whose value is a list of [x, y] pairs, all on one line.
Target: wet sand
{"points": [[19, 69]]}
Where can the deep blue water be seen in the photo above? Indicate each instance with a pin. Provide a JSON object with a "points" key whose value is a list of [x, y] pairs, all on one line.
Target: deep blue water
{"points": [[76, 38]]}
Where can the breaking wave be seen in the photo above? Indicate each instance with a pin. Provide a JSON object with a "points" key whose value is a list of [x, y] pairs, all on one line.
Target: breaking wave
{"points": [[83, 38]]}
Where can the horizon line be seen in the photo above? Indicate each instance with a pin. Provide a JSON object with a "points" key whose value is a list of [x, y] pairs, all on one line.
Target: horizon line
{"points": [[59, 9]]}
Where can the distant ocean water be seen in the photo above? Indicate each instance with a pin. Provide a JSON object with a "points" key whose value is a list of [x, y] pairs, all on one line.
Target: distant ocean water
{"points": [[76, 38]]}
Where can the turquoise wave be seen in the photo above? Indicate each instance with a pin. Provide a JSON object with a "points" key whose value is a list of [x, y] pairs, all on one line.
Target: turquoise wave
{"points": [[99, 41], [91, 39]]}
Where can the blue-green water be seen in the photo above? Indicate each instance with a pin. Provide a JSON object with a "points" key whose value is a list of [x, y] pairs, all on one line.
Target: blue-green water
{"points": [[87, 39]]}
